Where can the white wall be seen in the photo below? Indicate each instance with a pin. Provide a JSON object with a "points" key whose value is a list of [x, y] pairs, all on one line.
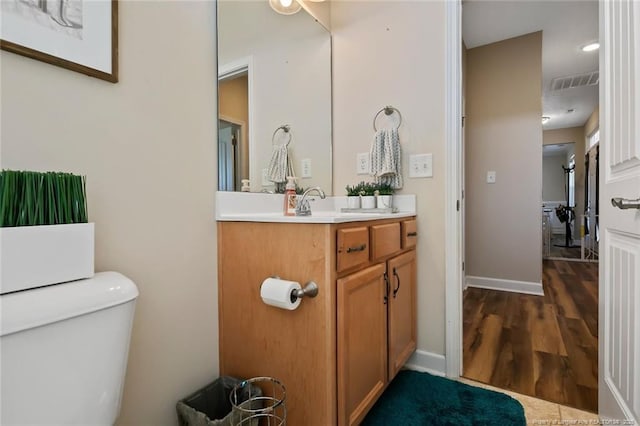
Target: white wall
{"points": [[291, 84], [392, 53], [504, 134], [147, 147]]}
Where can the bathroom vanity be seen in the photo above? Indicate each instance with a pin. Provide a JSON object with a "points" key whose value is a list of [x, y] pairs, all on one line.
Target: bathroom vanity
{"points": [[336, 352]]}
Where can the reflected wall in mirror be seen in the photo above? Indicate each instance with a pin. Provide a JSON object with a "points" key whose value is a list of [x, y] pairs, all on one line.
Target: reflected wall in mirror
{"points": [[554, 179], [273, 70]]}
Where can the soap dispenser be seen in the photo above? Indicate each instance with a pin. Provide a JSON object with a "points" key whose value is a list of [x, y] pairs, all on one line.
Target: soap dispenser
{"points": [[290, 198]]}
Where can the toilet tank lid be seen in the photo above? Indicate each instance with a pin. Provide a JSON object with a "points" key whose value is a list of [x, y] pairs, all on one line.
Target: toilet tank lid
{"points": [[45, 305]]}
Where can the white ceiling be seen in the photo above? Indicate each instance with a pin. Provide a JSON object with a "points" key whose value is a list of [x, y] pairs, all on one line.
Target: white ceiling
{"points": [[566, 27]]}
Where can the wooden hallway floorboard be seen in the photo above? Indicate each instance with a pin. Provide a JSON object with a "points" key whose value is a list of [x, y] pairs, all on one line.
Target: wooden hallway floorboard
{"points": [[543, 346]]}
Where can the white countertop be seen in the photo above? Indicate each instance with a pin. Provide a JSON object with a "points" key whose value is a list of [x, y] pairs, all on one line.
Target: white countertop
{"points": [[259, 207]]}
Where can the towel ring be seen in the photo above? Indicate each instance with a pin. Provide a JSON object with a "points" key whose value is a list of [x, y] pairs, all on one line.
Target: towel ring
{"points": [[388, 110], [286, 129]]}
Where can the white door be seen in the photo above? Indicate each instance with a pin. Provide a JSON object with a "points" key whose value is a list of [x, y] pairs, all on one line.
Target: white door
{"points": [[619, 311], [225, 159]]}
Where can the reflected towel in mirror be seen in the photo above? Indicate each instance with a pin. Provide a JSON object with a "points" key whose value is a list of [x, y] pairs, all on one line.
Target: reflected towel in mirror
{"points": [[280, 165]]}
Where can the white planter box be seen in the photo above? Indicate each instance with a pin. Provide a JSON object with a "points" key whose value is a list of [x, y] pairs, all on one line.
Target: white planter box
{"points": [[34, 256]]}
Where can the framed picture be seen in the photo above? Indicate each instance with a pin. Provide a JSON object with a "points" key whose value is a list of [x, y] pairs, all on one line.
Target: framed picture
{"points": [[80, 35]]}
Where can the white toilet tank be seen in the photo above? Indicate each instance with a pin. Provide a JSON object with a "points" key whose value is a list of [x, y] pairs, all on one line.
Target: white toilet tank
{"points": [[63, 351]]}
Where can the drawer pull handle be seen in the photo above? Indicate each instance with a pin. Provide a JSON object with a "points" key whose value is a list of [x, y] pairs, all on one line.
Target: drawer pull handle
{"points": [[395, 290], [412, 234], [357, 248]]}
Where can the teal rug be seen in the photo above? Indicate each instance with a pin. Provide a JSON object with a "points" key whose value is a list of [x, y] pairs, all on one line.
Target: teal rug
{"points": [[417, 399]]}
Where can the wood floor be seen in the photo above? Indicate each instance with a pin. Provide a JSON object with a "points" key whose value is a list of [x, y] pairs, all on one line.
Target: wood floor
{"points": [[543, 346], [558, 248]]}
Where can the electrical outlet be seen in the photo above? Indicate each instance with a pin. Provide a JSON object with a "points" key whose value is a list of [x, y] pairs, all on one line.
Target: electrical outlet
{"points": [[421, 165], [362, 165], [491, 176], [265, 178], [306, 167]]}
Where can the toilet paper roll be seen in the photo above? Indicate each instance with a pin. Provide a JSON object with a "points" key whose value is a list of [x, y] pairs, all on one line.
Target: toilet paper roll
{"points": [[277, 292]]}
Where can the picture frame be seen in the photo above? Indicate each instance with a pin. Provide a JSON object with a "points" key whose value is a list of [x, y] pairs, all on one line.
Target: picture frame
{"points": [[79, 35]]}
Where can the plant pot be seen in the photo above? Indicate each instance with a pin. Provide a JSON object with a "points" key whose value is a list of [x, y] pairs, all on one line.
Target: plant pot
{"points": [[368, 202], [353, 201], [34, 256], [384, 201]]}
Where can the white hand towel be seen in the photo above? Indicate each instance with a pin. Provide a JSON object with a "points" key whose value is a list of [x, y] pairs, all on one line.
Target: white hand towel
{"points": [[386, 158]]}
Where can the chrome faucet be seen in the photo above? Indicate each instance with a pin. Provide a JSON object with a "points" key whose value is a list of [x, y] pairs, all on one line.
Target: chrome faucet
{"points": [[303, 208]]}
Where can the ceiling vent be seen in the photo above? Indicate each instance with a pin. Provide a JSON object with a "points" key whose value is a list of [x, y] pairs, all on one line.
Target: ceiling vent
{"points": [[578, 80]]}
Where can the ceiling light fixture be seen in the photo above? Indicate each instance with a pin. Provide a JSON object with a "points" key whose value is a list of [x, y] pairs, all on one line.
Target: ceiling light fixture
{"points": [[285, 7], [545, 119], [591, 47]]}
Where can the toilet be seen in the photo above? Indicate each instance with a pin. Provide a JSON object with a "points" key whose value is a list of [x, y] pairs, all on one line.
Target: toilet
{"points": [[63, 351]]}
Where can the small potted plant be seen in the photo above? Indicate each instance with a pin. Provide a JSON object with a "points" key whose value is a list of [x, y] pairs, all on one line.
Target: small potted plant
{"points": [[45, 236], [384, 195], [368, 195], [353, 196]]}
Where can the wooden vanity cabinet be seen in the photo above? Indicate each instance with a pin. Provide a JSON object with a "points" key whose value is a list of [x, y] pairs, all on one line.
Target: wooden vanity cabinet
{"points": [[337, 352], [377, 326]]}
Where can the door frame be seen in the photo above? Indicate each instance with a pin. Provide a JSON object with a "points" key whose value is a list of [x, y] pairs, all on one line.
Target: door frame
{"points": [[454, 274], [229, 71]]}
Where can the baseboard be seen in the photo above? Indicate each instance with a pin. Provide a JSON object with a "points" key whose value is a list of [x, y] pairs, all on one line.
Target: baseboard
{"points": [[427, 362], [525, 287]]}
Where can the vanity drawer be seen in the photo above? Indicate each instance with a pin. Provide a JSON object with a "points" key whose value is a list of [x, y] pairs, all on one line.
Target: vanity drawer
{"points": [[409, 233], [385, 240], [353, 247]]}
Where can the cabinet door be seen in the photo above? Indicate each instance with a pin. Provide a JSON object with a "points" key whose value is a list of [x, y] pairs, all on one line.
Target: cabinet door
{"points": [[362, 342], [402, 310]]}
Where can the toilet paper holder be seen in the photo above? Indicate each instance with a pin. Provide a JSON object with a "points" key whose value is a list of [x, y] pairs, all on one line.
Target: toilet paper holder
{"points": [[310, 289]]}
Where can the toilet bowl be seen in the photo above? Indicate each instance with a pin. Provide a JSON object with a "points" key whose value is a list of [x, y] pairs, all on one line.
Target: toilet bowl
{"points": [[63, 351]]}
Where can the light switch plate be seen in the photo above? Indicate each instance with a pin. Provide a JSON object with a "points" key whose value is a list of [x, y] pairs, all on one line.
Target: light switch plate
{"points": [[306, 167], [421, 165], [491, 176], [362, 165]]}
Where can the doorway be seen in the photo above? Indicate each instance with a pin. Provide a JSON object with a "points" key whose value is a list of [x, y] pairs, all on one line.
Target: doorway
{"points": [[229, 162], [529, 325], [233, 132]]}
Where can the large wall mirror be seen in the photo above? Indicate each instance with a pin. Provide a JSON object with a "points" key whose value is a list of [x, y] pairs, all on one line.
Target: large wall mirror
{"points": [[559, 189], [273, 70]]}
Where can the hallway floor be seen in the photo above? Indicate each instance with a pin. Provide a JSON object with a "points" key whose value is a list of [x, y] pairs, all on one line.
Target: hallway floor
{"points": [[543, 346]]}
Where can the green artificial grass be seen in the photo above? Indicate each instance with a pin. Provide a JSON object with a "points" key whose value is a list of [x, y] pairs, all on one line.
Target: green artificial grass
{"points": [[416, 399], [34, 198]]}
